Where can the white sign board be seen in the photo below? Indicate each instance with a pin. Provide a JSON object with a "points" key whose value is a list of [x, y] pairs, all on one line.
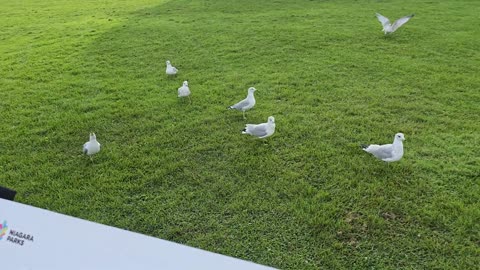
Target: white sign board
{"points": [[37, 239]]}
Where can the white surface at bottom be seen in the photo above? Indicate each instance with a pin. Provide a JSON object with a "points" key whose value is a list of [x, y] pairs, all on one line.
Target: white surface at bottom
{"points": [[64, 242]]}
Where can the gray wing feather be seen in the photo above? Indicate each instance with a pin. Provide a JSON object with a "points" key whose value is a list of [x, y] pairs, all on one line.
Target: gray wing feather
{"points": [[257, 130], [383, 20], [240, 105], [401, 22], [382, 151]]}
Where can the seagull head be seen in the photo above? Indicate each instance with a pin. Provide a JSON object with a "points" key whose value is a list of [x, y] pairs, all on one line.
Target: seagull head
{"points": [[399, 136], [271, 120], [93, 137], [168, 63], [185, 83], [251, 90]]}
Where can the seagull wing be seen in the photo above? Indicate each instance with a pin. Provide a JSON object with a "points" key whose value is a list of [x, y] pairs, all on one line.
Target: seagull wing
{"points": [[183, 91], [401, 22], [383, 20], [257, 130], [381, 151], [242, 104]]}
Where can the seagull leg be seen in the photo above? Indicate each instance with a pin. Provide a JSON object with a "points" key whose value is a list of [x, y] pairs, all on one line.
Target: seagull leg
{"points": [[189, 100], [244, 115]]}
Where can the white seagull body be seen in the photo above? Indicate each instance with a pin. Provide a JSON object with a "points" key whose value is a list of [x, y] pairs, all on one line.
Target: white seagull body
{"points": [[171, 70], [261, 131], [389, 27], [247, 103], [184, 91], [92, 146], [387, 152]]}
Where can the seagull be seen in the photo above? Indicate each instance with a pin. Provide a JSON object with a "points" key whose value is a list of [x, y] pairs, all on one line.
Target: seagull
{"points": [[171, 70], [261, 131], [184, 91], [245, 104], [91, 147], [390, 28], [387, 152]]}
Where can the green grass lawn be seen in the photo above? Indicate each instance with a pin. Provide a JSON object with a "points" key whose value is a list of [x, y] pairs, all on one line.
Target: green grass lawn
{"points": [[306, 198]]}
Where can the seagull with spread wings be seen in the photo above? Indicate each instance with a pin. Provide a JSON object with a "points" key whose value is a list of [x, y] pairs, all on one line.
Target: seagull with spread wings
{"points": [[388, 27]]}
